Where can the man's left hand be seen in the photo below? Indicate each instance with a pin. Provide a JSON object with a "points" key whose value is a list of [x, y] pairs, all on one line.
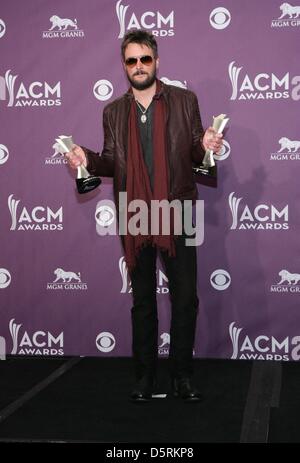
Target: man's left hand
{"points": [[212, 140]]}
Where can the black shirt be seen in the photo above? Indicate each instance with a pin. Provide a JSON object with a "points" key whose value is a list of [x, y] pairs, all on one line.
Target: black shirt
{"points": [[146, 129]]}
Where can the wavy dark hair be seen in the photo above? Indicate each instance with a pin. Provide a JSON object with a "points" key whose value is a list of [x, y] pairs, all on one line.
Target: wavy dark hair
{"points": [[141, 37]]}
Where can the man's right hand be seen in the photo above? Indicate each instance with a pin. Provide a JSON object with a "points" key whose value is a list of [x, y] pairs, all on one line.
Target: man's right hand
{"points": [[76, 157]]}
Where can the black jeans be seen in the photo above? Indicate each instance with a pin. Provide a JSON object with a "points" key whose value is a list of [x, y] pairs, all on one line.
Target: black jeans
{"points": [[181, 271]]}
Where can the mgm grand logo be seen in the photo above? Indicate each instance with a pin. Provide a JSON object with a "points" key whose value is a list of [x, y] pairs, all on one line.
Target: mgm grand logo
{"points": [[62, 28], [289, 283], [67, 280], [289, 150], [290, 16]]}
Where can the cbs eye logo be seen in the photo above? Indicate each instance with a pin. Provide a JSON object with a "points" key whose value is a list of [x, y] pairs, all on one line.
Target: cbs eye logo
{"points": [[224, 153], [2, 28], [5, 278], [105, 342], [103, 89], [220, 18], [3, 154], [104, 216], [220, 279]]}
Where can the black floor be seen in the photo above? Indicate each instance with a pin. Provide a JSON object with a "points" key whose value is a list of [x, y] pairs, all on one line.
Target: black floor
{"points": [[86, 400]]}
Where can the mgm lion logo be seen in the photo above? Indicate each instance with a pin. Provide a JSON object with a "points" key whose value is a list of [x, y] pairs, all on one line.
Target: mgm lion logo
{"points": [[289, 10], [291, 278], [66, 276], [165, 337], [62, 23], [57, 149], [286, 144]]}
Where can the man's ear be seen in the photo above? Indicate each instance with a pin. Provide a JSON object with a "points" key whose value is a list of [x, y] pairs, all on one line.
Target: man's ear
{"points": [[157, 63]]}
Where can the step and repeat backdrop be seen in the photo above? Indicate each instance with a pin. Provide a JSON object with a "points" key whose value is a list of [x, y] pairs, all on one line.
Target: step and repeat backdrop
{"points": [[64, 285]]}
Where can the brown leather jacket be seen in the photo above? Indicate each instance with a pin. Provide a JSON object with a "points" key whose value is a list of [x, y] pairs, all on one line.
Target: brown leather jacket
{"points": [[184, 142]]}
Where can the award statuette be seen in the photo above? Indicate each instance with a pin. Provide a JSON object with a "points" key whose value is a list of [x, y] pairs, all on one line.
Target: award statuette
{"points": [[207, 167], [85, 182]]}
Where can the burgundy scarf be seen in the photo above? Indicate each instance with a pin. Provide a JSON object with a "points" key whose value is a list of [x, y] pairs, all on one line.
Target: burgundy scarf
{"points": [[138, 182]]}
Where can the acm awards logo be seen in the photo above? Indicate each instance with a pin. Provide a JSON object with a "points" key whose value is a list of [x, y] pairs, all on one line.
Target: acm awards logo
{"points": [[289, 283], [159, 24], [33, 94], [162, 283], [63, 28], [289, 150], [35, 343], [39, 218], [262, 347], [261, 217], [263, 86], [66, 280], [290, 16]]}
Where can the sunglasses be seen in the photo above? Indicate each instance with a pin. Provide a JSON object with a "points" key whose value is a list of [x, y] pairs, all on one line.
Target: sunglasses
{"points": [[131, 62]]}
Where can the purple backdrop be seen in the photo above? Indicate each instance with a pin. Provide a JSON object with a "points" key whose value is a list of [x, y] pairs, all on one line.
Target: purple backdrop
{"points": [[60, 65]]}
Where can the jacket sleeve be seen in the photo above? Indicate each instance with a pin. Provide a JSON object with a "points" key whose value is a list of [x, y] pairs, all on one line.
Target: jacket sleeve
{"points": [[102, 165], [197, 132]]}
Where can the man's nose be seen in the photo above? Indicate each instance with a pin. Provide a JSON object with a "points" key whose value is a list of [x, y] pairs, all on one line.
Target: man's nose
{"points": [[139, 64]]}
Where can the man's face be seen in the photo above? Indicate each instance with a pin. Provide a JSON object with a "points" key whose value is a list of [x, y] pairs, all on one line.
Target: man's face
{"points": [[140, 75]]}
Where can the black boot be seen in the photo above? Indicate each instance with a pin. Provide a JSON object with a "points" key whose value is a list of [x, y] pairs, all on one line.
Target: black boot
{"points": [[184, 389], [143, 389]]}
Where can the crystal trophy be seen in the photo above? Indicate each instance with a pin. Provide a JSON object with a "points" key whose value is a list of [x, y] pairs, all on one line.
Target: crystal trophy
{"points": [[85, 182], [208, 163]]}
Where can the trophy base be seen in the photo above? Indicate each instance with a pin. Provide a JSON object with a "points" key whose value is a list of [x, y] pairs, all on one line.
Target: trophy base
{"points": [[84, 185], [205, 171]]}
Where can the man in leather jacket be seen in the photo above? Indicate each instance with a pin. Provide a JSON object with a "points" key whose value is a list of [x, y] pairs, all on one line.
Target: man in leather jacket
{"points": [[152, 137]]}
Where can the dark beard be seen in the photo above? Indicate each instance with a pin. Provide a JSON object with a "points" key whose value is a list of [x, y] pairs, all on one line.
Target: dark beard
{"points": [[143, 85]]}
